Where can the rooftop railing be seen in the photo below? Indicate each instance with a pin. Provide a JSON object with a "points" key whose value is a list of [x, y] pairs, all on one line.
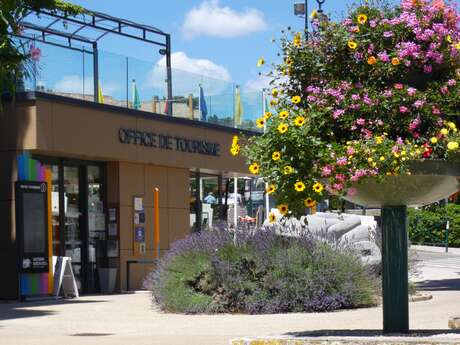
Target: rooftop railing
{"points": [[132, 83]]}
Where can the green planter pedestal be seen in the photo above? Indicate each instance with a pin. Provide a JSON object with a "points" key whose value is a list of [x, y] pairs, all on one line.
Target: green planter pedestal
{"points": [[429, 182]]}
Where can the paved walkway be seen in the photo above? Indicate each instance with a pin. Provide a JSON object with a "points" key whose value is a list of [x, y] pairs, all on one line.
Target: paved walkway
{"points": [[131, 319]]}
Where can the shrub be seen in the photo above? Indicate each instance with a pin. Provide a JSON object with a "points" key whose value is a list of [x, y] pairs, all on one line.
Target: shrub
{"points": [[428, 225], [262, 272]]}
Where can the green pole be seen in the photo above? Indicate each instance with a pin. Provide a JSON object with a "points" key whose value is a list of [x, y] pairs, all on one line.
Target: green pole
{"points": [[394, 270]]}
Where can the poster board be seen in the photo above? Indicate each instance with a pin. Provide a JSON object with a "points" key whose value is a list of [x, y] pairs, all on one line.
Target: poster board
{"points": [[64, 278], [32, 226]]}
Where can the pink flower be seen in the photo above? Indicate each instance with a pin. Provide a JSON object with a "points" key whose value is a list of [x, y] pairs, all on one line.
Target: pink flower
{"points": [[451, 82], [360, 121], [342, 161], [399, 86], [35, 53], [388, 34], [354, 178], [411, 91], [340, 177], [350, 151], [403, 109], [419, 103], [338, 113], [383, 57], [327, 170], [427, 69], [435, 110], [338, 186], [444, 90]]}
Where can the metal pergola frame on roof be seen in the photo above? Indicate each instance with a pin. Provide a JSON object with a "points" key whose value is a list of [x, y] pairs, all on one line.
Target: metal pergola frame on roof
{"points": [[104, 24]]}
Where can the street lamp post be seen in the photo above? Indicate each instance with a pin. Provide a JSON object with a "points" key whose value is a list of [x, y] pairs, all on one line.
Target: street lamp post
{"points": [[301, 9]]}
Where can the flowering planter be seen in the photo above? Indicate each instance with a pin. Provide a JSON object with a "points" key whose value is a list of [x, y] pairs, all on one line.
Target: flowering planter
{"points": [[430, 181]]}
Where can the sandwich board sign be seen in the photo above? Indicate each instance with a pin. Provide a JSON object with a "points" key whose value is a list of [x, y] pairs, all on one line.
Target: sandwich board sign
{"points": [[64, 278]]}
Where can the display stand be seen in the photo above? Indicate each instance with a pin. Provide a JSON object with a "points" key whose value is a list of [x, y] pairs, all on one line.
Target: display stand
{"points": [[64, 278]]}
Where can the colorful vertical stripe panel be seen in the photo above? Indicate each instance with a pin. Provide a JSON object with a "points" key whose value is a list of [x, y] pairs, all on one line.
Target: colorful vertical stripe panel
{"points": [[34, 284], [30, 169]]}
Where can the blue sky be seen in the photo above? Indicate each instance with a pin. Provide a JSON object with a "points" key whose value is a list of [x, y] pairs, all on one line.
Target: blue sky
{"points": [[231, 34]]}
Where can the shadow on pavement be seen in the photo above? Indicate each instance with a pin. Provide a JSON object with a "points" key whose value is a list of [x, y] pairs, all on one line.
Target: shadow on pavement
{"points": [[17, 310], [371, 333], [439, 285]]}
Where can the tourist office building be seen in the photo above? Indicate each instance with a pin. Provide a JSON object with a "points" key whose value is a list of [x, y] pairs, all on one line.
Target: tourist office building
{"points": [[99, 166]]}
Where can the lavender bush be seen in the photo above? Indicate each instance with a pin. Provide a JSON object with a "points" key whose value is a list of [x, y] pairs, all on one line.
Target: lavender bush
{"points": [[260, 272]]}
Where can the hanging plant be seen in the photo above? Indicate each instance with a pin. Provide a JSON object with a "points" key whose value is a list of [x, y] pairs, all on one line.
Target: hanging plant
{"points": [[359, 99]]}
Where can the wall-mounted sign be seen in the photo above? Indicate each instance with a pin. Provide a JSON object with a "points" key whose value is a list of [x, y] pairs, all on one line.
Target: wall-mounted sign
{"points": [[168, 142], [32, 226], [139, 234]]}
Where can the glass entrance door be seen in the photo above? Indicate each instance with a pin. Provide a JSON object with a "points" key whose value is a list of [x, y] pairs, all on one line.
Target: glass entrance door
{"points": [[79, 217], [73, 234]]}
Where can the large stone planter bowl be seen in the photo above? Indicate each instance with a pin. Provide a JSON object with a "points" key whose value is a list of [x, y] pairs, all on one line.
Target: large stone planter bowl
{"points": [[430, 181]]}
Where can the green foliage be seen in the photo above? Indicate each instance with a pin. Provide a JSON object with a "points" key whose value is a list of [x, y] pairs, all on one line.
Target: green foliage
{"points": [[360, 99], [261, 273], [428, 225], [12, 61]]}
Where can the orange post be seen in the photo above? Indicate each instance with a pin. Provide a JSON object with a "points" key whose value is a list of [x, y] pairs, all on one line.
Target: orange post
{"points": [[48, 179], [156, 222]]}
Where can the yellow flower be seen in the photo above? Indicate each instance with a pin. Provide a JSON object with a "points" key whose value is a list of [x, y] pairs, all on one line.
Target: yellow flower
{"points": [[276, 155], [396, 154], [297, 41], [395, 61], [352, 45], [362, 19], [296, 99], [273, 102], [283, 208], [452, 125], [444, 131], [314, 14], [260, 122], [254, 168], [275, 92], [270, 189], [434, 140], [452, 145], [457, 46], [449, 38], [260, 62], [267, 115], [283, 114], [378, 139], [299, 186], [282, 128], [235, 150], [403, 153], [318, 187], [371, 60], [370, 159], [289, 61], [235, 140], [287, 170], [271, 217], [309, 202], [299, 121], [382, 158]]}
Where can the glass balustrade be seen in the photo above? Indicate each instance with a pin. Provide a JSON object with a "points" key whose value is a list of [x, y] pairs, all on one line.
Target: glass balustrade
{"points": [[136, 84]]}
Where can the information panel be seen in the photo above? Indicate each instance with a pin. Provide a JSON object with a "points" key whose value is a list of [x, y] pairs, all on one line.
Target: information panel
{"points": [[32, 226]]}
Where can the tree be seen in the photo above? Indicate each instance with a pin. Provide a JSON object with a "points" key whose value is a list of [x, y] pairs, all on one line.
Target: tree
{"points": [[12, 60]]}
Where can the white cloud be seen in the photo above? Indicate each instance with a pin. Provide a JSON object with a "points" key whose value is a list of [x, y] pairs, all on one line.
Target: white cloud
{"points": [[204, 67], [211, 19], [188, 72], [262, 82], [76, 84]]}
